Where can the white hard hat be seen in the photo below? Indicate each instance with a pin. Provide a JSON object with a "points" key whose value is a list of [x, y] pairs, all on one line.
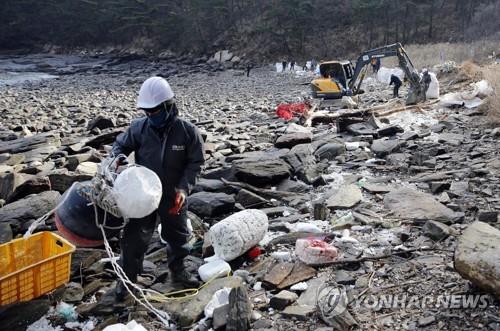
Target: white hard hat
{"points": [[153, 92]]}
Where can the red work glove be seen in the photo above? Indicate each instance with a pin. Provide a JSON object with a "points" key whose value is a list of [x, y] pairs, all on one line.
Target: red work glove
{"points": [[180, 198]]}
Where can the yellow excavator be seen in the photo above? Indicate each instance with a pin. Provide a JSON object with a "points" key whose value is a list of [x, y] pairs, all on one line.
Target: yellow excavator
{"points": [[339, 78]]}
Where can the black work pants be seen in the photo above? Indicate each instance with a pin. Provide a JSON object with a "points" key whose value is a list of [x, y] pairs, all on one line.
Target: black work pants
{"points": [[395, 92], [138, 232]]}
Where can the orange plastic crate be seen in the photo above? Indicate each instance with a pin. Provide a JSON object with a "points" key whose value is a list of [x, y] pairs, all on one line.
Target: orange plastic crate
{"points": [[34, 266]]}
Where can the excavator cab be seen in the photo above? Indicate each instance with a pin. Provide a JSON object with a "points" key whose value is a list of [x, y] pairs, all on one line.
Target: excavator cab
{"points": [[333, 80]]}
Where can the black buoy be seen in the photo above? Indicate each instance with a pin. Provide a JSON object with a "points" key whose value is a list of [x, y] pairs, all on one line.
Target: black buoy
{"points": [[75, 219]]}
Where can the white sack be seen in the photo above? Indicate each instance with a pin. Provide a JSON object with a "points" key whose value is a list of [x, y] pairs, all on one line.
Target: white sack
{"points": [[484, 89], [279, 67], [384, 74], [237, 233], [433, 91], [137, 191]]}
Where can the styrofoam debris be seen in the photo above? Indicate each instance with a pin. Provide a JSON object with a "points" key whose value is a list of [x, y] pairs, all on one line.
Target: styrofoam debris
{"points": [[302, 286], [131, 326], [236, 234], [220, 298], [43, 324], [214, 269], [257, 286], [306, 227], [282, 256], [315, 251]]}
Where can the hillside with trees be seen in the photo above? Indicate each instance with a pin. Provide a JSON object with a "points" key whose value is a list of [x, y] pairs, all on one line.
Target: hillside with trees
{"points": [[261, 28]]}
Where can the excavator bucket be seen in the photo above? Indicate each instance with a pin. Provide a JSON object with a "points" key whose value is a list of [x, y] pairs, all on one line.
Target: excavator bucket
{"points": [[415, 95]]}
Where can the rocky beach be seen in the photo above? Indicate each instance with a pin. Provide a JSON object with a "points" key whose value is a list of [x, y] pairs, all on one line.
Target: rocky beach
{"points": [[409, 196]]}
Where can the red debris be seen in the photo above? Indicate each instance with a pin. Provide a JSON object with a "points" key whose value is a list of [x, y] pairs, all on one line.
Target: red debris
{"points": [[288, 110], [254, 253]]}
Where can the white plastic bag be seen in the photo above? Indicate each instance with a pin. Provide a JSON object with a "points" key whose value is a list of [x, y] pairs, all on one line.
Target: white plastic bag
{"points": [[484, 89], [433, 91], [137, 191], [237, 233], [131, 326], [214, 269]]}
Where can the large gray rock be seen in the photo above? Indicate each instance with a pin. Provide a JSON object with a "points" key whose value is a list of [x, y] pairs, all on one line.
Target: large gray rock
{"points": [[260, 172], [249, 199], [383, 147], [289, 140], [436, 230], [346, 197], [330, 151], [303, 163], [210, 204], [187, 311], [408, 203], [62, 179], [31, 186], [29, 208], [476, 256], [9, 182], [240, 309]]}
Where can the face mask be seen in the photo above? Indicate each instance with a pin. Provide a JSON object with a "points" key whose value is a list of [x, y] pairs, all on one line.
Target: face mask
{"points": [[160, 119]]}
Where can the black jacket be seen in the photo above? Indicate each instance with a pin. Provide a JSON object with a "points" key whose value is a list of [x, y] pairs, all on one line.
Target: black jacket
{"points": [[396, 81], [175, 153]]}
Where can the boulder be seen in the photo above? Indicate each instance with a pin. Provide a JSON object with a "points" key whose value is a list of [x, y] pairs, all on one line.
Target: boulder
{"points": [[33, 185], [187, 311], [240, 309], [289, 140], [436, 230], [249, 199], [283, 299], [403, 203], [62, 179], [476, 256], [330, 151], [29, 208], [9, 182], [346, 197], [101, 123], [261, 172], [210, 204], [384, 147]]}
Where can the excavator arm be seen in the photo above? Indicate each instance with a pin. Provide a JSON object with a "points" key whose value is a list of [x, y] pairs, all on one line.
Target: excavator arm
{"points": [[416, 92]]}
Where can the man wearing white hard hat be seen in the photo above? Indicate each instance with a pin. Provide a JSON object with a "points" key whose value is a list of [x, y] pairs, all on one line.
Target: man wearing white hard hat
{"points": [[173, 148]]}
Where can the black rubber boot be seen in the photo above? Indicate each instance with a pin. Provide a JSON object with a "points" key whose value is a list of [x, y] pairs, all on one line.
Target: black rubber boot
{"points": [[121, 292], [184, 277]]}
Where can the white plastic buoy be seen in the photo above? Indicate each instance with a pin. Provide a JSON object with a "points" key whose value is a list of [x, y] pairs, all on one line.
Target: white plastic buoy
{"points": [[137, 192]]}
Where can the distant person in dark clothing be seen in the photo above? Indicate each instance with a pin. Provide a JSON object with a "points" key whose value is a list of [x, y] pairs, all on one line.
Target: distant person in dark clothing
{"points": [[375, 64], [426, 80], [292, 65], [397, 84], [249, 67], [284, 63]]}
